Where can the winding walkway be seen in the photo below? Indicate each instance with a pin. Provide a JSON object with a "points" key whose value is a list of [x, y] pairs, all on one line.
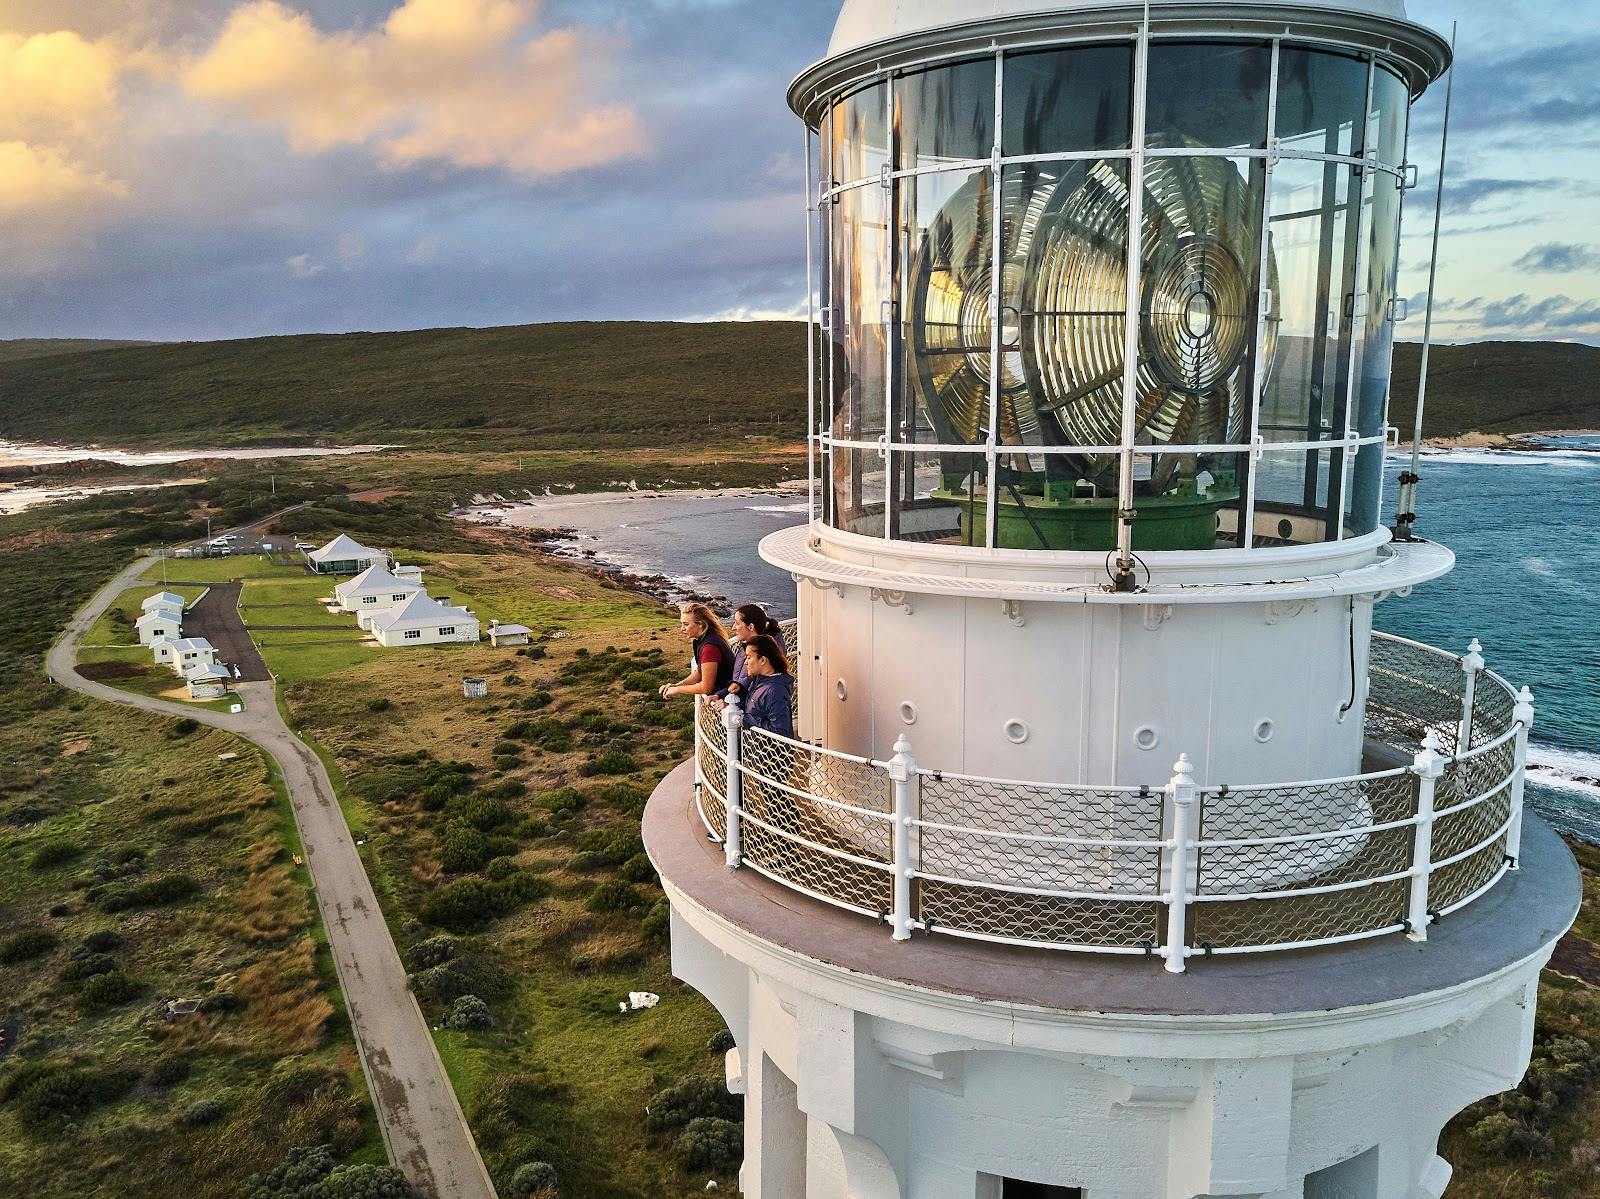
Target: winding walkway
{"points": [[423, 1127]]}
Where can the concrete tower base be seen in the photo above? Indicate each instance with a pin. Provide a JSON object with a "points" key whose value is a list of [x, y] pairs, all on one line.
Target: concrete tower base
{"points": [[944, 1069]]}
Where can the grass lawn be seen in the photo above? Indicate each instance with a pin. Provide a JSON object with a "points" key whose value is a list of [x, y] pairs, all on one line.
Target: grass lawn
{"points": [[223, 570], [301, 592]]}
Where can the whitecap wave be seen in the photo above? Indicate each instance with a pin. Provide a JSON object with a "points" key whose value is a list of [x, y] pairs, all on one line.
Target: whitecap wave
{"points": [[1571, 770], [1464, 457], [779, 509]]}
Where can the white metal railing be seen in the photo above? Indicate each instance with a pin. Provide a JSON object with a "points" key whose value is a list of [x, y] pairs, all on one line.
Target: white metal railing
{"points": [[1174, 870]]}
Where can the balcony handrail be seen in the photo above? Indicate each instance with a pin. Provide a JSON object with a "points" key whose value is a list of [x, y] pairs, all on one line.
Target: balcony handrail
{"points": [[1398, 860]]}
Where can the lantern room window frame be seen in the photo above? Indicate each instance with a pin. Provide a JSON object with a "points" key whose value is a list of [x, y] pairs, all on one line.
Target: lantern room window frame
{"points": [[852, 458]]}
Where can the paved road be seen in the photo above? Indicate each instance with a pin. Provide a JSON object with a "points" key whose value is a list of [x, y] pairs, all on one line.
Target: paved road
{"points": [[215, 616], [426, 1134]]}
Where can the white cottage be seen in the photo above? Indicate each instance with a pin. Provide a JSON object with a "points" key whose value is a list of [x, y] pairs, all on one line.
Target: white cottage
{"points": [[159, 624], [163, 599], [209, 681], [187, 653], [374, 589], [423, 620], [344, 556]]}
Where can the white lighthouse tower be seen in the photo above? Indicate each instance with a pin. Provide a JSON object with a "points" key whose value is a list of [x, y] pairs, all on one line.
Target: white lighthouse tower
{"points": [[1119, 857]]}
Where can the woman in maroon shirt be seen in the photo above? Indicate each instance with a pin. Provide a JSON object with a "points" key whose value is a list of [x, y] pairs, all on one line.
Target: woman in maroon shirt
{"points": [[712, 667]]}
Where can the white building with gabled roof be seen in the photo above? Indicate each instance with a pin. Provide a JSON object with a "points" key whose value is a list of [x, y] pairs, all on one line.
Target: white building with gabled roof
{"points": [[344, 556], [509, 634], [373, 589], [163, 599], [159, 624], [423, 620]]}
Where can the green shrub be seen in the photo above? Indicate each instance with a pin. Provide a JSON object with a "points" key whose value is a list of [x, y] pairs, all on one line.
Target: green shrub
{"points": [[203, 1111], [435, 796], [534, 1178], [507, 749], [656, 927], [520, 730], [183, 728], [26, 945], [644, 681], [462, 848], [86, 964], [168, 888], [381, 704], [168, 1071], [612, 761], [721, 1041], [483, 812], [552, 735], [433, 952], [301, 1172], [48, 1096], [537, 700], [638, 869], [54, 853], [113, 899], [469, 904], [501, 868], [102, 940], [615, 896], [469, 1014], [569, 798], [695, 1097], [466, 975], [364, 1182], [625, 797], [107, 990], [711, 1144]]}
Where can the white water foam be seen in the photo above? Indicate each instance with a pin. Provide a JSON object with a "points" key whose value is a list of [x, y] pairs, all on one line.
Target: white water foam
{"points": [[1568, 458], [779, 509], [1565, 769]]}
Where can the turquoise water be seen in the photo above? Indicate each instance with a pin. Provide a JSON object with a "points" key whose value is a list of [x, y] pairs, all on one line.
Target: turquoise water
{"points": [[1525, 527]]}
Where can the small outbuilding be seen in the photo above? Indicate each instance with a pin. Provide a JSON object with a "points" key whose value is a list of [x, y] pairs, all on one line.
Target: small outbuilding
{"points": [[422, 620], [508, 634], [159, 624], [345, 556], [163, 599], [475, 688], [209, 682], [373, 589]]}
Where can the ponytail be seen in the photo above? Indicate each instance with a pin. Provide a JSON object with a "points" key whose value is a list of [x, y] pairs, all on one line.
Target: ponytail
{"points": [[756, 617]]}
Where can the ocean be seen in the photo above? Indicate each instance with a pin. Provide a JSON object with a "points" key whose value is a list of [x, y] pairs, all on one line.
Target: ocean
{"points": [[1525, 526]]}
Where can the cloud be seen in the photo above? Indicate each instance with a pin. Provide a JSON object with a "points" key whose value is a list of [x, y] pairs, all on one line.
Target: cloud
{"points": [[304, 266], [41, 179], [1467, 195], [464, 82], [1558, 258]]}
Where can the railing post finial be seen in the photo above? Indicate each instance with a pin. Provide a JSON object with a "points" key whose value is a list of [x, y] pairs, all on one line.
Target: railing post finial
{"points": [[733, 722], [1471, 667], [907, 811], [1522, 714], [1182, 791]]}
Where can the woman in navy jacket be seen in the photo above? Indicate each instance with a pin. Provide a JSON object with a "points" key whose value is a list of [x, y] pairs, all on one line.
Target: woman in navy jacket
{"points": [[769, 697]]}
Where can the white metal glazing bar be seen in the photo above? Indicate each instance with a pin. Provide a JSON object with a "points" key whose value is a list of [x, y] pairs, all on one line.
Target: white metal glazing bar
{"points": [[889, 304], [1360, 300], [1130, 338], [996, 282], [1260, 367]]}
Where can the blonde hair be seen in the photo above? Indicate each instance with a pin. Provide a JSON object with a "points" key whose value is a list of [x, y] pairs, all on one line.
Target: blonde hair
{"points": [[705, 616]]}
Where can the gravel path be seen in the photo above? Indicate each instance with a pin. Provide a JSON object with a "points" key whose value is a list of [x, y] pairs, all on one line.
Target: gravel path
{"points": [[423, 1126]]}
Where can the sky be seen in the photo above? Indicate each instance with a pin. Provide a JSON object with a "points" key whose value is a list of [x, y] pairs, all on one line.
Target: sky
{"points": [[200, 169]]}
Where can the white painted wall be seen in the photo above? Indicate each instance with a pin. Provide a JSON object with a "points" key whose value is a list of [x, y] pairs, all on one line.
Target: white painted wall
{"points": [[465, 630]]}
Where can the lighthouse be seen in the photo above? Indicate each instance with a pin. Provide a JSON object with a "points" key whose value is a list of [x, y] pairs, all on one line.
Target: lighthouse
{"points": [[1117, 856]]}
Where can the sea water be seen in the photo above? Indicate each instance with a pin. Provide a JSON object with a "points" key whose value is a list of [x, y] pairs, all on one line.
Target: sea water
{"points": [[1525, 526]]}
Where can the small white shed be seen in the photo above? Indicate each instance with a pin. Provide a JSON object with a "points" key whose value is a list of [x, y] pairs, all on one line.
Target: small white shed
{"points": [[508, 634], [163, 599], [209, 682]]}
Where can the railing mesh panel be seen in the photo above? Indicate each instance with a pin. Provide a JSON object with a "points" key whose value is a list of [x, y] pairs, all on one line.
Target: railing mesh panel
{"points": [[1299, 918], [1412, 690], [1462, 880], [1493, 710], [1131, 924], [713, 770], [771, 764], [1032, 812]]}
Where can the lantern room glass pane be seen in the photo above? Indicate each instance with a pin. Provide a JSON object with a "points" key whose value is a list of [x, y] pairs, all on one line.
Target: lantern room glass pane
{"points": [[1208, 94], [1188, 501], [1372, 404], [860, 135], [1364, 496], [860, 285], [1322, 102], [945, 115], [1297, 492], [1391, 109], [1059, 101], [1064, 289], [860, 486], [946, 274], [938, 497], [1314, 231], [1199, 292]]}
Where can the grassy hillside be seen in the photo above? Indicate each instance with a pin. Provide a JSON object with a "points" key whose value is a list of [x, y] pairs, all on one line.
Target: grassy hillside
{"points": [[1499, 387], [595, 385], [628, 383], [17, 349]]}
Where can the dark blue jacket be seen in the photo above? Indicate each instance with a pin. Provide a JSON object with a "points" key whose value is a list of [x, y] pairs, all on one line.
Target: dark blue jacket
{"points": [[769, 704]]}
